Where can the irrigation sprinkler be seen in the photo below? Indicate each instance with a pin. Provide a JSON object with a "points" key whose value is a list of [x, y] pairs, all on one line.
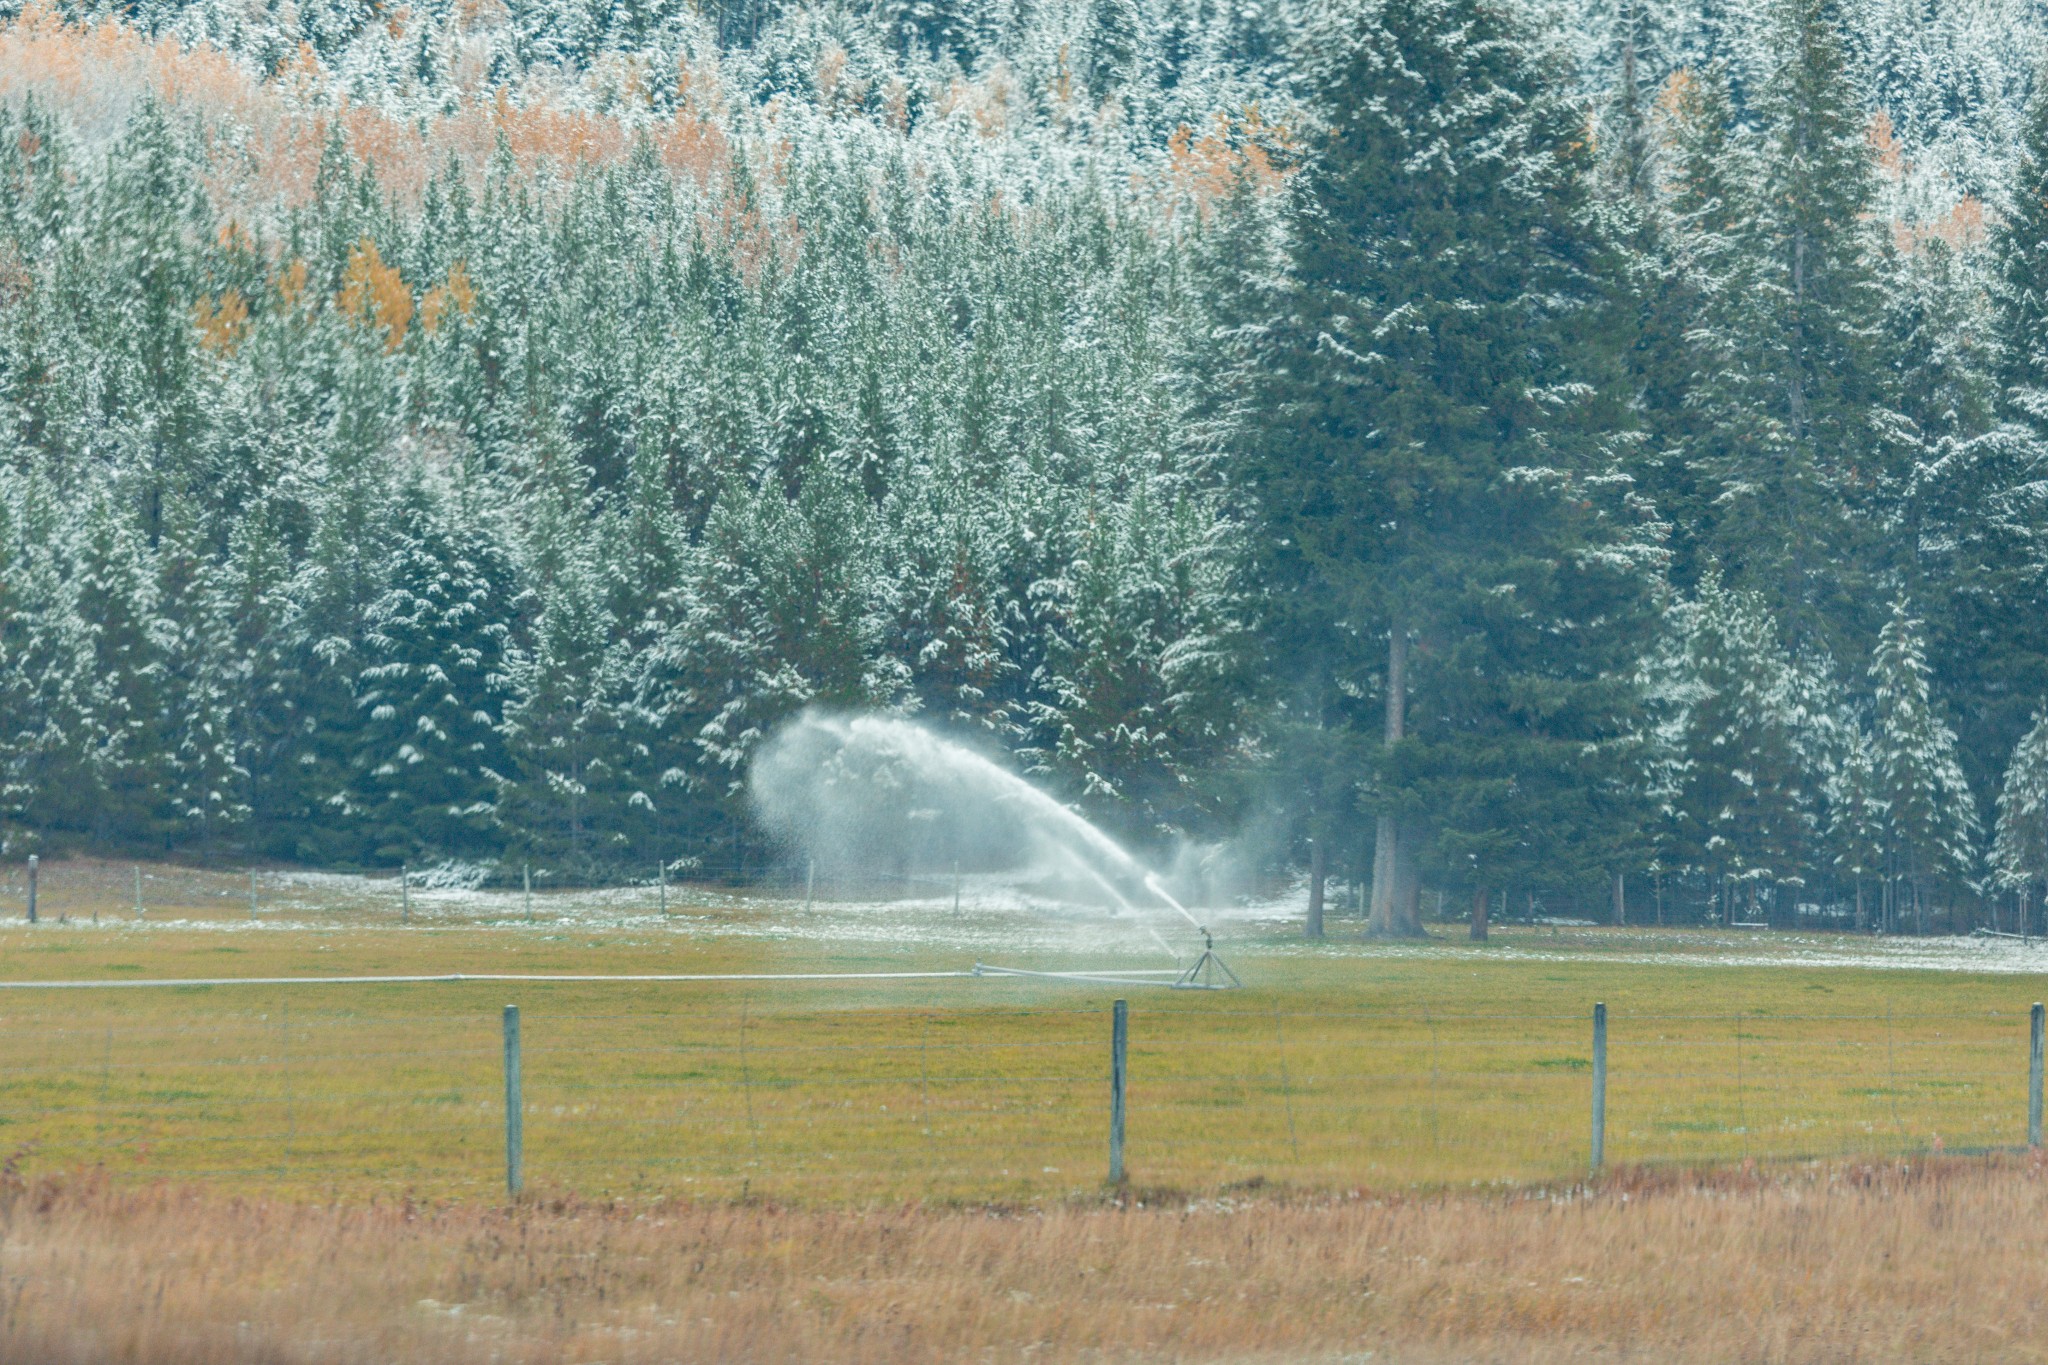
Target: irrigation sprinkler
{"points": [[1210, 972]]}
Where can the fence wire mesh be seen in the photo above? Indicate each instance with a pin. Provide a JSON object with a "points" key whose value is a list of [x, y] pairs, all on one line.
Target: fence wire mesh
{"points": [[720, 1098]]}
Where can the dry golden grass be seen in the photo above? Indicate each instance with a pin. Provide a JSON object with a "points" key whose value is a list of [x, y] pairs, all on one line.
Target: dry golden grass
{"points": [[1944, 1261]]}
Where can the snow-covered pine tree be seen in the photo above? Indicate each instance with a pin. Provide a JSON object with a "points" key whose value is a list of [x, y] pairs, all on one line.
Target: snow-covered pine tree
{"points": [[1795, 393], [1427, 452], [48, 692], [430, 686], [1745, 801], [2019, 849], [1931, 822], [129, 753]]}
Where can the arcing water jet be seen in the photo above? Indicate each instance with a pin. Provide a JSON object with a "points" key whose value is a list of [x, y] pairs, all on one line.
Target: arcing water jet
{"points": [[881, 794]]}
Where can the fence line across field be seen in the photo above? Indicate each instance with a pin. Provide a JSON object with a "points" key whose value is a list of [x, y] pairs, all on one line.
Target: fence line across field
{"points": [[819, 1098]]}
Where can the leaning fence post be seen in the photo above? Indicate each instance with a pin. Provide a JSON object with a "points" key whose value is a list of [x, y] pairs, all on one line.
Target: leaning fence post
{"points": [[1119, 1044], [1599, 1085], [31, 888], [2034, 1077], [515, 1111]]}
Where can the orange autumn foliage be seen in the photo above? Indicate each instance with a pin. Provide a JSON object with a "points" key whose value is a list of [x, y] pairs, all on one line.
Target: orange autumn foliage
{"points": [[1236, 152], [222, 321], [290, 283], [456, 293], [375, 295]]}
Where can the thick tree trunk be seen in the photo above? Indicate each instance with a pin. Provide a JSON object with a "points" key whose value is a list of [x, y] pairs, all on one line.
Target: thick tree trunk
{"points": [[1388, 883], [1479, 915], [1317, 871], [1380, 919], [1408, 907]]}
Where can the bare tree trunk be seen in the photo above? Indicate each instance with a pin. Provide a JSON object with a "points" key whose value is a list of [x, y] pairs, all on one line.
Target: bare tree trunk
{"points": [[1408, 885], [1317, 870], [1387, 888], [1620, 900], [1479, 915], [1862, 915], [1379, 920]]}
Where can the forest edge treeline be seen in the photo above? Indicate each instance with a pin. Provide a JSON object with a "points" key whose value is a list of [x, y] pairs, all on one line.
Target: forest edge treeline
{"points": [[407, 471]]}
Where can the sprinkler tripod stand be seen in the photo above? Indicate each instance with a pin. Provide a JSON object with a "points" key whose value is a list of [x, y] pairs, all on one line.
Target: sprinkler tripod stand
{"points": [[1210, 972]]}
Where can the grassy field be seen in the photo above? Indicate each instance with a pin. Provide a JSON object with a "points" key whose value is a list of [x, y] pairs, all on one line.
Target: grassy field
{"points": [[1337, 1068]]}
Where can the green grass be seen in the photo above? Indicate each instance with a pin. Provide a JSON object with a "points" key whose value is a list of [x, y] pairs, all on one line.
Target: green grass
{"points": [[1333, 1068]]}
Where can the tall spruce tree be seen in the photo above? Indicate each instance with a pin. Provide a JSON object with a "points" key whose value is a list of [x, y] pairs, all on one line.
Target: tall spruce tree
{"points": [[1791, 377], [1930, 821], [2019, 850], [1429, 470]]}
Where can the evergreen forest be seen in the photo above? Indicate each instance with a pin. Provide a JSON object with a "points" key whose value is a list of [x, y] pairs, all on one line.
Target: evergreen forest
{"points": [[1481, 457]]}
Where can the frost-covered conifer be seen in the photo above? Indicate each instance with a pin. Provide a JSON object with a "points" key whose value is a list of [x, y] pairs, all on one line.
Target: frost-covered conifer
{"points": [[2019, 850], [1930, 820]]}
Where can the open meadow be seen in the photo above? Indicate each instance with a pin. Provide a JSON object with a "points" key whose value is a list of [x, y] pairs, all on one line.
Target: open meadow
{"points": [[1336, 1067], [1366, 1148]]}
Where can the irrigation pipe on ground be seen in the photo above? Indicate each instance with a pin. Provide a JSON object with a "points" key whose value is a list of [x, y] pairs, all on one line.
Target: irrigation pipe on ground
{"points": [[1100, 978]]}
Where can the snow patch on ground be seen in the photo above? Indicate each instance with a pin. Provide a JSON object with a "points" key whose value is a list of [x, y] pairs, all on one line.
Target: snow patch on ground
{"points": [[997, 920]]}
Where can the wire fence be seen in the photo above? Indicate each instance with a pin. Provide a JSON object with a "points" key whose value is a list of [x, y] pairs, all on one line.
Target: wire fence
{"points": [[105, 890], [333, 1090]]}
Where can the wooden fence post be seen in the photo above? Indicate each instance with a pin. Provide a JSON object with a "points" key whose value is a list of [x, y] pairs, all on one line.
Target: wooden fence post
{"points": [[2034, 1076], [515, 1111], [1119, 1045], [1599, 1085]]}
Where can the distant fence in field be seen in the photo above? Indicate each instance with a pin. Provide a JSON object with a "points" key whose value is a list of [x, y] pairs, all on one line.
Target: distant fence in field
{"points": [[103, 889], [637, 1094]]}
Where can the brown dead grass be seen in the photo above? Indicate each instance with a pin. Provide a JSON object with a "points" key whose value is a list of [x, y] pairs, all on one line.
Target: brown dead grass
{"points": [[1936, 1261]]}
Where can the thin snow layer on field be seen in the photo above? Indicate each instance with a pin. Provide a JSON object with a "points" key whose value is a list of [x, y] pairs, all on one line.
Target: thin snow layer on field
{"points": [[990, 918], [998, 921], [1693, 949]]}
